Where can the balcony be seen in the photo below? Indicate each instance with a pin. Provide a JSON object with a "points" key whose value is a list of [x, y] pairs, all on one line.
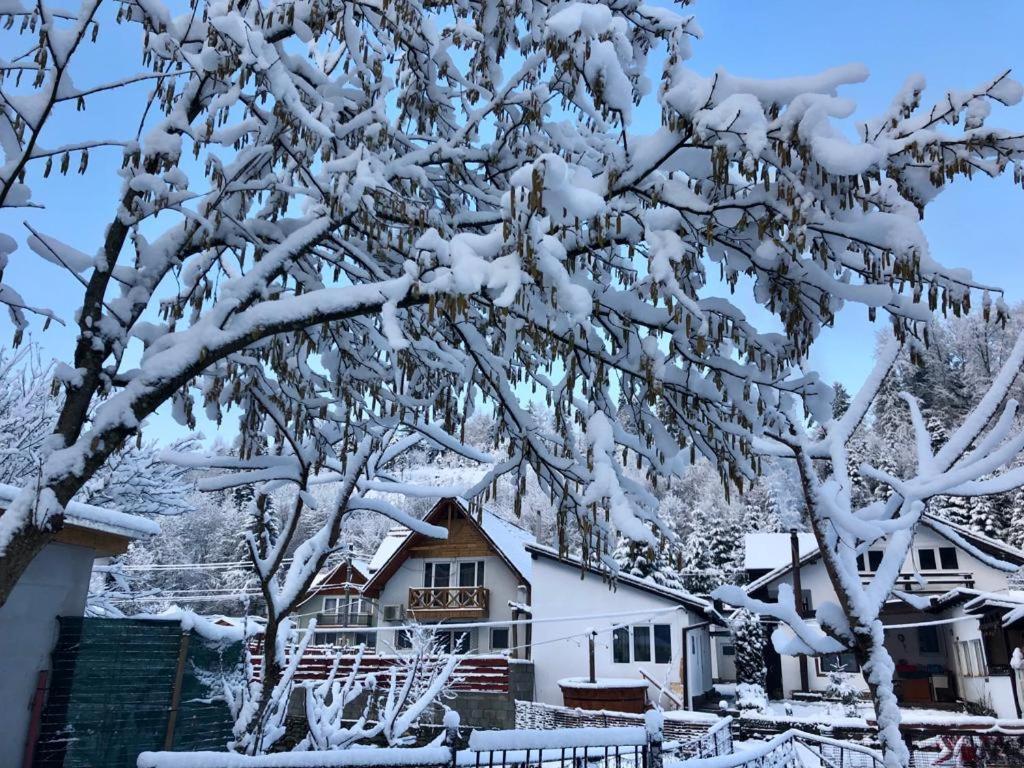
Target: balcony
{"points": [[448, 602], [929, 582], [351, 619]]}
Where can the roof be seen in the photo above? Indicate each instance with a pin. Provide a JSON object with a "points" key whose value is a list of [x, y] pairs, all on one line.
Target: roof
{"points": [[392, 540], [506, 539], [344, 574], [768, 551], [95, 518], [1011, 603], [645, 585], [947, 530]]}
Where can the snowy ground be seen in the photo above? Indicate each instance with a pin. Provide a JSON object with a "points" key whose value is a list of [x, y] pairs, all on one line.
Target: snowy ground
{"points": [[818, 711]]}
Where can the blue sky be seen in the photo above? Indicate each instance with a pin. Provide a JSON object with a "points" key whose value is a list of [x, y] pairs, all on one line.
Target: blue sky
{"points": [[954, 44]]}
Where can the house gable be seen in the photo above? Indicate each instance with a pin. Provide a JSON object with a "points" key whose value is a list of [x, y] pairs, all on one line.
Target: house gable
{"points": [[340, 580], [467, 538]]}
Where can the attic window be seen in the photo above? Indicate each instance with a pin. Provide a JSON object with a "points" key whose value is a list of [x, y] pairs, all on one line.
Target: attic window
{"points": [[873, 562], [926, 559], [948, 558]]}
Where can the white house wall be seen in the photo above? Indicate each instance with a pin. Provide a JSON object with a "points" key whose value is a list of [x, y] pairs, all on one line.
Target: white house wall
{"points": [[992, 691], [559, 591], [55, 584], [501, 581], [814, 579]]}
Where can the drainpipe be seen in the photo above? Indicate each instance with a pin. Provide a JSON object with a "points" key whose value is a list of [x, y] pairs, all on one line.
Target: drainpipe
{"points": [[798, 598]]}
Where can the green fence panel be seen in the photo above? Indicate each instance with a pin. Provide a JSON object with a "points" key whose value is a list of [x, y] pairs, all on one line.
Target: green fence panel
{"points": [[111, 689]]}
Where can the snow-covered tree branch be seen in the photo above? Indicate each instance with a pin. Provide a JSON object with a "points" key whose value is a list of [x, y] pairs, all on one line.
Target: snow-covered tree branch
{"points": [[414, 209]]}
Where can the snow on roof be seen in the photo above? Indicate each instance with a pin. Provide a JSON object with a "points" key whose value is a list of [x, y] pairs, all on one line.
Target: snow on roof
{"points": [[768, 551], [95, 518], [388, 546], [511, 541], [952, 531], [360, 566]]}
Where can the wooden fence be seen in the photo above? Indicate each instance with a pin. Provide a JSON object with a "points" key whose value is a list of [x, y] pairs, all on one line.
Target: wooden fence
{"points": [[481, 674]]}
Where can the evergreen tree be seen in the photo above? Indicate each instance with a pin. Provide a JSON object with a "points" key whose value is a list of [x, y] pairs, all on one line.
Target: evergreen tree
{"points": [[658, 563], [751, 669]]}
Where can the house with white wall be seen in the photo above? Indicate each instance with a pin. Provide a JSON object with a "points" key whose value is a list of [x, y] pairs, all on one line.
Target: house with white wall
{"points": [[337, 605], [490, 590], [56, 583], [944, 656]]}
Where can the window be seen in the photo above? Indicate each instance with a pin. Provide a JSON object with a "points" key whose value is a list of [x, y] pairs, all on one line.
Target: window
{"points": [[641, 643], [437, 575], [971, 657], [926, 560], [330, 605], [874, 559], [471, 573], [453, 641], [948, 559], [873, 562], [402, 640], [728, 650], [928, 639], [662, 644], [832, 661], [499, 638], [979, 656], [620, 645]]}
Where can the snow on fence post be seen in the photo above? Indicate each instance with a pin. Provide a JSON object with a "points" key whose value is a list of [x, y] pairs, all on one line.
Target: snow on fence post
{"points": [[451, 735], [654, 720]]}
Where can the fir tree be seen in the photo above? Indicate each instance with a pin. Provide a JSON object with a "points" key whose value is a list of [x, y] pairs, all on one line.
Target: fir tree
{"points": [[751, 670], [658, 563]]}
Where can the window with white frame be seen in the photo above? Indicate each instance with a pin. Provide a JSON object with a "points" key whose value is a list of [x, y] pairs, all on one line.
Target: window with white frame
{"points": [[439, 574], [642, 643], [971, 658], [500, 639]]}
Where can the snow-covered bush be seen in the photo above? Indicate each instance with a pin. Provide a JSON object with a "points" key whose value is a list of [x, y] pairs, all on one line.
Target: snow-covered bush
{"points": [[841, 688], [750, 696]]}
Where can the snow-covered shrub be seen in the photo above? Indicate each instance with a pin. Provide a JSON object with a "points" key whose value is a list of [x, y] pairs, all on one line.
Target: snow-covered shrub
{"points": [[841, 688]]}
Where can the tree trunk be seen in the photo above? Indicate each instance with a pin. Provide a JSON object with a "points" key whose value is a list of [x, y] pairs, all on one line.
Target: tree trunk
{"points": [[20, 552], [271, 673], [869, 636], [877, 667]]}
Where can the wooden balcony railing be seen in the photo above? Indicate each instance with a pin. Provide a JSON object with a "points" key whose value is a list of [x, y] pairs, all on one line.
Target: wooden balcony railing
{"points": [[442, 602]]}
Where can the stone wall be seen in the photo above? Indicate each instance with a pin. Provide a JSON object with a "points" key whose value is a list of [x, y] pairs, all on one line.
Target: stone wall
{"points": [[480, 710]]}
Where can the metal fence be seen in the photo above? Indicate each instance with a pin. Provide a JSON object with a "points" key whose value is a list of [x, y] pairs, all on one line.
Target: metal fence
{"points": [[605, 747]]}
